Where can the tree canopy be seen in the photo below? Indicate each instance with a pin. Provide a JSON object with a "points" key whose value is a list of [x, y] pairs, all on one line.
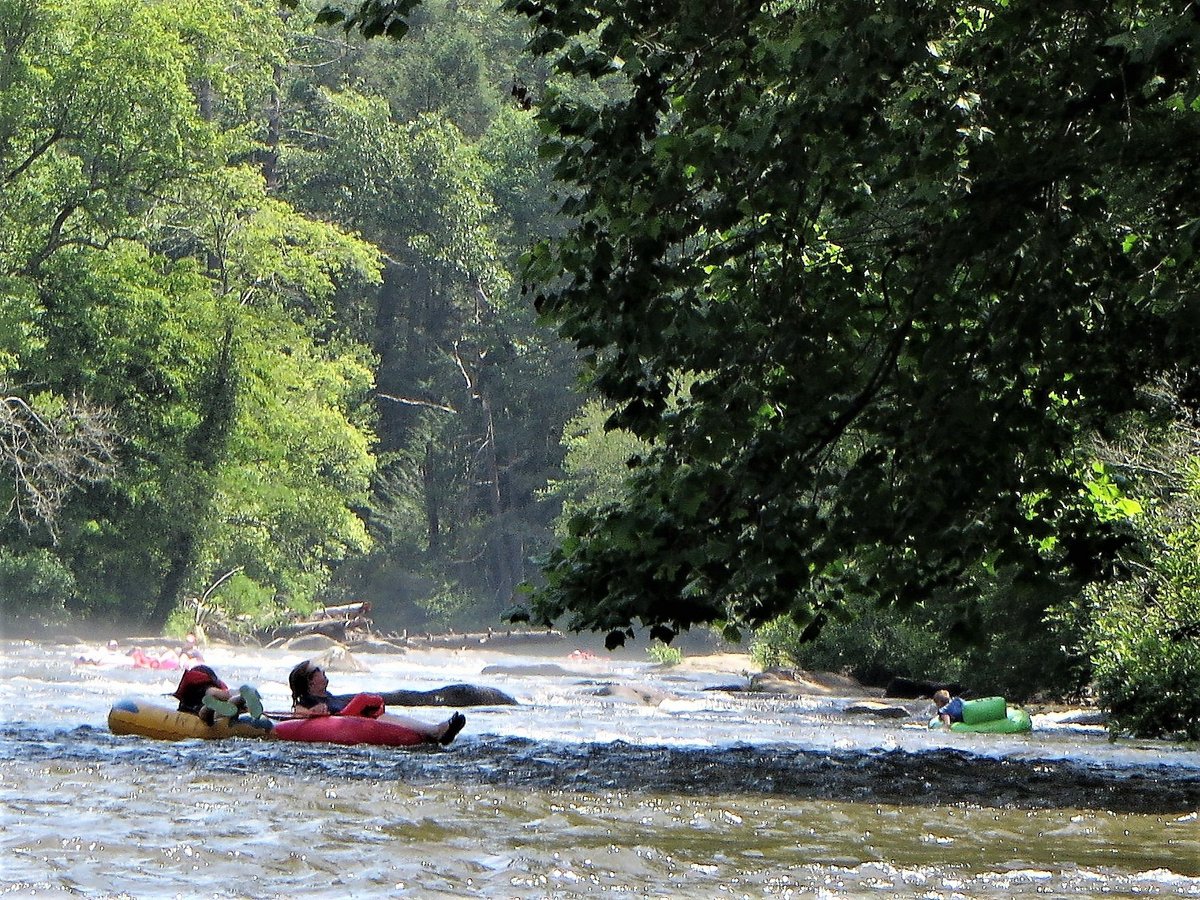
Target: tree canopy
{"points": [[177, 403], [872, 299], [211, 385], [866, 276]]}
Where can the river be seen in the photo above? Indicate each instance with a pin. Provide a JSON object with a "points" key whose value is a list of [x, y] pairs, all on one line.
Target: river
{"points": [[708, 793]]}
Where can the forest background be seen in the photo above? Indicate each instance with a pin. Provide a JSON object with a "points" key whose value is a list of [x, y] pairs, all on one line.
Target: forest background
{"points": [[267, 342]]}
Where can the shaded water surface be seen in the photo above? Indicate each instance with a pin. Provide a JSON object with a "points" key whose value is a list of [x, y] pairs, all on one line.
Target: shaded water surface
{"points": [[568, 796]]}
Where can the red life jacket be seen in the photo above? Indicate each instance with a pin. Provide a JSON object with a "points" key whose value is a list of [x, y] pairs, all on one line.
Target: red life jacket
{"points": [[193, 685]]}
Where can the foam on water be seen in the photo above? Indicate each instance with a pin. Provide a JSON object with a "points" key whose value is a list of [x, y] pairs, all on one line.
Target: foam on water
{"points": [[571, 793], [567, 706]]}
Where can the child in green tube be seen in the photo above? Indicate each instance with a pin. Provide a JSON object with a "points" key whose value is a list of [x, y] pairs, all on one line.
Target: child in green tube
{"points": [[950, 709]]}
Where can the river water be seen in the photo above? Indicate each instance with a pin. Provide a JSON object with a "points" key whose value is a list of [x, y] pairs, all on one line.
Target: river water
{"points": [[571, 793]]}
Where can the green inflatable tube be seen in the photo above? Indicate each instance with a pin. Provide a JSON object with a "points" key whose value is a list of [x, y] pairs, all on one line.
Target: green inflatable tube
{"points": [[990, 715], [1016, 722], [985, 709]]}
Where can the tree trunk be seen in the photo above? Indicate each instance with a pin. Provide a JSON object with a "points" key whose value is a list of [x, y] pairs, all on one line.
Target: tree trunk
{"points": [[504, 573], [432, 519], [270, 157], [389, 349], [205, 449], [182, 559]]}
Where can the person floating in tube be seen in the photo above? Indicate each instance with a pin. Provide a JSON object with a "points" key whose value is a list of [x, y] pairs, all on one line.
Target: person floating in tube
{"points": [[311, 697], [950, 709], [203, 694]]}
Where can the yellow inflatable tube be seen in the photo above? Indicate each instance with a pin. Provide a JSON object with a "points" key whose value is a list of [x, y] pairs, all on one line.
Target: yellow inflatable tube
{"points": [[150, 720]]}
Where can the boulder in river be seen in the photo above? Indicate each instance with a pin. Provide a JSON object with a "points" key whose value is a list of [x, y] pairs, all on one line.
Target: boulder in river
{"points": [[881, 710], [308, 643], [374, 645], [450, 695], [919, 689], [1074, 717], [532, 669], [338, 659], [647, 696], [796, 682]]}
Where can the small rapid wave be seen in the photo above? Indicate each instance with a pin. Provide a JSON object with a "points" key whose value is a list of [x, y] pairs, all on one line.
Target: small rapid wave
{"points": [[931, 777], [578, 790]]}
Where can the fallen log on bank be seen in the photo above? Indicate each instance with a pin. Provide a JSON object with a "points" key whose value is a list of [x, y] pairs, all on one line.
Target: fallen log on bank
{"points": [[348, 611], [333, 622], [487, 638], [335, 629]]}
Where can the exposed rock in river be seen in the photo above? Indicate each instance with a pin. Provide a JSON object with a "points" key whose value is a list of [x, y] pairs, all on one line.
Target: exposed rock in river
{"points": [[882, 710], [371, 645], [796, 682], [450, 695], [338, 659], [932, 778], [310, 642], [548, 669], [647, 696]]}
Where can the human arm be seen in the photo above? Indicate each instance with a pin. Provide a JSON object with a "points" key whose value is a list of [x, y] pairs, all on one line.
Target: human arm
{"points": [[952, 712], [319, 709]]}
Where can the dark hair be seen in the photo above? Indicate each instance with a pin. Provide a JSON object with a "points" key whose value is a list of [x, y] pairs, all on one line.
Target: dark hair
{"points": [[209, 671], [298, 680]]}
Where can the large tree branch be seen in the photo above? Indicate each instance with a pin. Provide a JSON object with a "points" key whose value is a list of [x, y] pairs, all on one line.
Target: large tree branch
{"points": [[34, 155], [50, 456]]}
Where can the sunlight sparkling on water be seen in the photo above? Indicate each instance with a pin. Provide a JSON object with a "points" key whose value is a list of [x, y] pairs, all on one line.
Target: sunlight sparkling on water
{"points": [[88, 814], [565, 706], [108, 829]]}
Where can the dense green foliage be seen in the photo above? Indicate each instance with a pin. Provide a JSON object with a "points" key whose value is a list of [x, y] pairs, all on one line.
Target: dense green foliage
{"points": [[1013, 650], [425, 159], [1147, 659], [874, 644], [596, 464], [906, 257], [154, 277], [239, 385], [35, 585], [1142, 632], [866, 294]]}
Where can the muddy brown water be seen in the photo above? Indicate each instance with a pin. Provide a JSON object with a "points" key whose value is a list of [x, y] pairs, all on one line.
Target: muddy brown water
{"points": [[570, 794]]}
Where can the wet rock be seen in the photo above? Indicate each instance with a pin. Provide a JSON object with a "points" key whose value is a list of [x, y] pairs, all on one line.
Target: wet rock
{"points": [[524, 670], [450, 695], [881, 710], [376, 646], [918, 689], [1074, 717], [796, 682], [732, 688], [339, 659], [943, 777], [308, 643], [647, 696]]}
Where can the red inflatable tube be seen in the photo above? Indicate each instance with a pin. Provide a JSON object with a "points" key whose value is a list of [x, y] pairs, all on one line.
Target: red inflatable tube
{"points": [[348, 730], [367, 705]]}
